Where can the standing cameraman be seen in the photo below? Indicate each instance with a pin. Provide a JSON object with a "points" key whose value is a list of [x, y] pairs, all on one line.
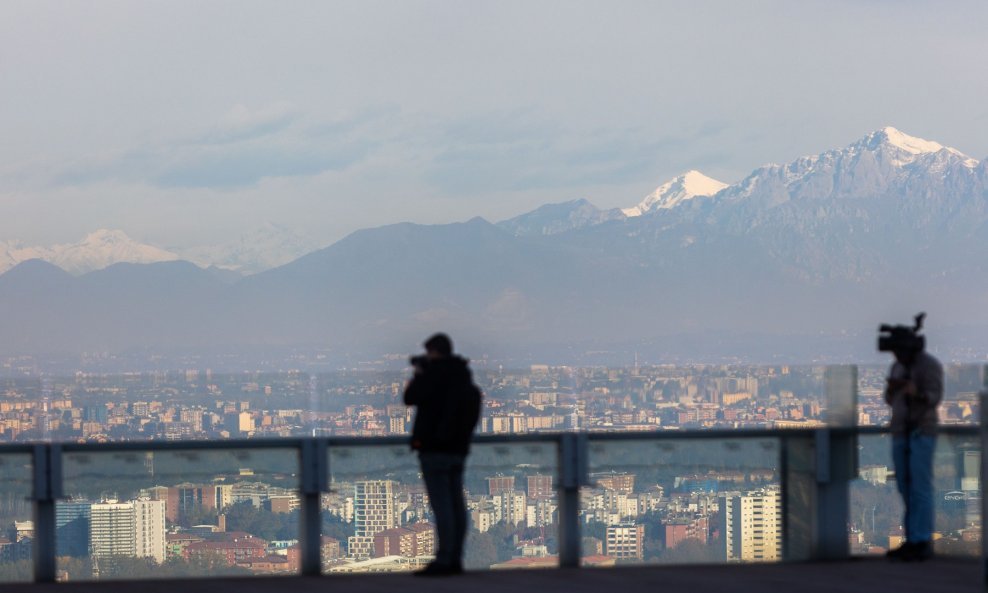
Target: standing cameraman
{"points": [[448, 407], [914, 388]]}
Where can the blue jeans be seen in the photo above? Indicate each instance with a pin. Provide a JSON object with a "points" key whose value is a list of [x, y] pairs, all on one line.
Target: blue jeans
{"points": [[912, 455], [443, 475]]}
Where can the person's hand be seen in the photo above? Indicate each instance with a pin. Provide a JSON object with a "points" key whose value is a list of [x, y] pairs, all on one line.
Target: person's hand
{"points": [[909, 388]]}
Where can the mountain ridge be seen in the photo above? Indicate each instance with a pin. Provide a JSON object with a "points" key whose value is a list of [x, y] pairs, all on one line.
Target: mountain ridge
{"points": [[828, 243]]}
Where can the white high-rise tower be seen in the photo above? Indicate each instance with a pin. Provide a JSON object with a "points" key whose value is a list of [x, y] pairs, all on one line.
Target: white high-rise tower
{"points": [[373, 512]]}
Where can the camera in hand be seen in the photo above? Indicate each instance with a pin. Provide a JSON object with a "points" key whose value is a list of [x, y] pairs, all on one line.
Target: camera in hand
{"points": [[420, 361], [902, 338]]}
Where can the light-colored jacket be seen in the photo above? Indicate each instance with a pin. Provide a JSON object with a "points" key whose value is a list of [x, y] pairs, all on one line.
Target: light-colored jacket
{"points": [[918, 411]]}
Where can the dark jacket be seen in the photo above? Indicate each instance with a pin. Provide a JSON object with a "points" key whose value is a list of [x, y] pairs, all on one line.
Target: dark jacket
{"points": [[919, 411], [448, 406]]}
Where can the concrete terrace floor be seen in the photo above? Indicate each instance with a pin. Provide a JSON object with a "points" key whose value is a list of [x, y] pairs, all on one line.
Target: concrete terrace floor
{"points": [[864, 575]]}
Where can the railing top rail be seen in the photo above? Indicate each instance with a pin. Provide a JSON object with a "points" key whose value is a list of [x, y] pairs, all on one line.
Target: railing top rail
{"points": [[944, 429], [15, 448], [401, 440]]}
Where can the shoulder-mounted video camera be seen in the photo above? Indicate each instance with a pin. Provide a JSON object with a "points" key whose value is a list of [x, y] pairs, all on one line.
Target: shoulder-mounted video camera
{"points": [[902, 338]]}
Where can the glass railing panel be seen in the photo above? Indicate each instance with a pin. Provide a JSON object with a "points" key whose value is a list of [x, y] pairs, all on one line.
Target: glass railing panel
{"points": [[957, 495], [178, 513], [376, 497], [377, 516], [16, 517], [678, 501], [876, 512], [513, 506]]}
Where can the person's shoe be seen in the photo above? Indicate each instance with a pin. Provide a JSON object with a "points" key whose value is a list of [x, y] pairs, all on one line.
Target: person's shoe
{"points": [[919, 552], [434, 569], [900, 553]]}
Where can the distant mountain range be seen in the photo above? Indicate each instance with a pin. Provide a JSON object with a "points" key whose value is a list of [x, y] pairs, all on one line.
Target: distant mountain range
{"points": [[812, 249], [261, 249], [96, 251]]}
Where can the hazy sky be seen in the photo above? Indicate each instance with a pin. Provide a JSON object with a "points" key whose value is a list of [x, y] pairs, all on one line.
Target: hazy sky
{"points": [[192, 122]]}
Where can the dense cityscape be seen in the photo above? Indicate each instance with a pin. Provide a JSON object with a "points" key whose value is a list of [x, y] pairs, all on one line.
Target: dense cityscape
{"points": [[214, 512]]}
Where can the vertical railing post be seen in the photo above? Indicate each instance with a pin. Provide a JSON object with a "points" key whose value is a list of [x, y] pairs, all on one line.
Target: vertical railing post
{"points": [[47, 489], [572, 475], [836, 464], [983, 412], [785, 494], [799, 494], [315, 480], [832, 500]]}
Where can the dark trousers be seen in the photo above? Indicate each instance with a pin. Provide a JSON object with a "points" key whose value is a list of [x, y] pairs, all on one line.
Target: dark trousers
{"points": [[443, 475], [912, 455]]}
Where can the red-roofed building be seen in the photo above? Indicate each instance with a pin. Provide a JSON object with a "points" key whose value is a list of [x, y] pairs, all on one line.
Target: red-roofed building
{"points": [[176, 544], [680, 529], [410, 542], [269, 564], [238, 547]]}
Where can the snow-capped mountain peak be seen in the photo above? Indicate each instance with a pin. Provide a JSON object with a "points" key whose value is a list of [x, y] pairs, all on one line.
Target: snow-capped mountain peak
{"points": [[886, 160], [97, 250], [908, 148], [267, 247], [105, 247], [670, 194], [906, 142]]}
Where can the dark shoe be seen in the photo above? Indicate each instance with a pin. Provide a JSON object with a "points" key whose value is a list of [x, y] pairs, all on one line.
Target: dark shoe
{"points": [[900, 553], [919, 552], [439, 570]]}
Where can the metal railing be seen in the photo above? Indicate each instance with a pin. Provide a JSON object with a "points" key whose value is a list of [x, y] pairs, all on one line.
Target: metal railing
{"points": [[815, 467]]}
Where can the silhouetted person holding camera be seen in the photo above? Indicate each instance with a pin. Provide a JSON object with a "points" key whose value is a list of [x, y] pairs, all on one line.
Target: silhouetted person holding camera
{"points": [[448, 408], [914, 388]]}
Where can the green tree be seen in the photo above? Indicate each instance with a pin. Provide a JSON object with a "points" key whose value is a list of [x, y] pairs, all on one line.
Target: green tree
{"points": [[19, 570], [337, 528], [76, 569], [262, 523], [197, 515], [691, 551], [481, 551]]}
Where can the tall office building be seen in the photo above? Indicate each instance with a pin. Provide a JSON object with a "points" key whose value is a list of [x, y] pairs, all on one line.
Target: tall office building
{"points": [[373, 507], [135, 528], [72, 527], [751, 525], [373, 512], [112, 530], [149, 529], [512, 506]]}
